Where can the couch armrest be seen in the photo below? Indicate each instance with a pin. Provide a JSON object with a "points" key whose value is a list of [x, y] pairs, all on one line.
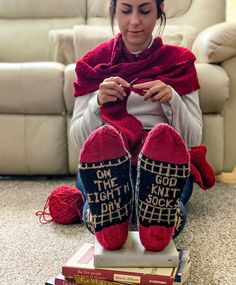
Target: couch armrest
{"points": [[216, 44], [62, 46]]}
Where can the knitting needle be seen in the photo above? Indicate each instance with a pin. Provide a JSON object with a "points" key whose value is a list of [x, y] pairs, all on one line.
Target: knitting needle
{"points": [[130, 83], [143, 91]]}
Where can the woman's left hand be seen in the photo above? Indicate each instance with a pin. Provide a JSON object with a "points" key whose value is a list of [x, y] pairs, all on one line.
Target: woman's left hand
{"points": [[156, 90]]}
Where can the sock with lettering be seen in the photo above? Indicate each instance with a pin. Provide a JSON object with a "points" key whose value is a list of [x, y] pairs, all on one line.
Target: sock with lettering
{"points": [[163, 168], [105, 170]]}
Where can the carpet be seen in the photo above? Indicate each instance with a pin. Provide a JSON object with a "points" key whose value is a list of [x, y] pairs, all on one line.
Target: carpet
{"points": [[31, 253]]}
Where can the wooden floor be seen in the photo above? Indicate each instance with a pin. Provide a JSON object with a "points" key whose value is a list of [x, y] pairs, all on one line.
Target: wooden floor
{"points": [[227, 177]]}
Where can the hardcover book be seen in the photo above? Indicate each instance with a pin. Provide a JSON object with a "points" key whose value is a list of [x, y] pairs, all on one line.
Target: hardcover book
{"points": [[133, 254], [184, 276], [59, 280], [50, 281], [183, 270], [181, 277], [81, 264], [62, 280]]}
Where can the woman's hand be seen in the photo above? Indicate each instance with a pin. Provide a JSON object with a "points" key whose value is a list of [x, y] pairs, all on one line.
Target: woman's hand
{"points": [[111, 89], [156, 90]]}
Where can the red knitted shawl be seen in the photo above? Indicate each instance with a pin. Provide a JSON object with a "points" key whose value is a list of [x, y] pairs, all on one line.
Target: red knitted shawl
{"points": [[171, 64]]}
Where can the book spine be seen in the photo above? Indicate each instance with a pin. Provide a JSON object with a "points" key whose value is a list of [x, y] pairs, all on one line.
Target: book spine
{"points": [[89, 281], [119, 276], [59, 281]]}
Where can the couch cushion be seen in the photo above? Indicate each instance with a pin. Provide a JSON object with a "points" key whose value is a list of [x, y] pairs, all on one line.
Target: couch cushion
{"points": [[99, 8], [31, 88], [33, 145], [213, 138], [62, 46], [196, 13], [214, 91], [216, 43], [15, 9], [27, 40], [70, 77], [24, 26]]}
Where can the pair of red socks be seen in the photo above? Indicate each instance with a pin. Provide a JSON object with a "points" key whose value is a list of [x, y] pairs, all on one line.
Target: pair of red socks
{"points": [[105, 170]]}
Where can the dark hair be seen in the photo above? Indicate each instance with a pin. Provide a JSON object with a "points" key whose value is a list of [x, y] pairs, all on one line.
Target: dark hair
{"points": [[160, 13]]}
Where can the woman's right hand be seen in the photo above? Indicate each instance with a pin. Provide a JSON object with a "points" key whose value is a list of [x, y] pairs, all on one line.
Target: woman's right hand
{"points": [[111, 89]]}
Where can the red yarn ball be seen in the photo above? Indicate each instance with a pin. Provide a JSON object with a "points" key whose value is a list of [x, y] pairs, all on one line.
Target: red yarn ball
{"points": [[65, 205]]}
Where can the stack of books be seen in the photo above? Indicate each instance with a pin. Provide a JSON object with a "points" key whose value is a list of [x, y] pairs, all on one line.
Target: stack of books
{"points": [[132, 264]]}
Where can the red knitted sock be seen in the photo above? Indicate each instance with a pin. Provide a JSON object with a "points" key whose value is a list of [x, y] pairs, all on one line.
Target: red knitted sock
{"points": [[201, 170], [105, 172], [163, 168]]}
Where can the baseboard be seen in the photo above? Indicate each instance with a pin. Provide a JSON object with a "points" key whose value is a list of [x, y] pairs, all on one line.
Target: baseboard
{"points": [[227, 177]]}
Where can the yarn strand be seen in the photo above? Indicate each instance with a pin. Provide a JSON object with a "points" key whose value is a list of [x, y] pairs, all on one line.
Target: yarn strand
{"points": [[43, 214]]}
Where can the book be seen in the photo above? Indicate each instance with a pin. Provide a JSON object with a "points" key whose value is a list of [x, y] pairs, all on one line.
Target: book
{"points": [[184, 275], [59, 280], [181, 277], [133, 254], [183, 271], [184, 265], [62, 280], [82, 264], [91, 281], [50, 281]]}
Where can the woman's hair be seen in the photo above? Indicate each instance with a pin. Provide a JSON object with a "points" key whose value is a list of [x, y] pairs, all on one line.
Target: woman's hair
{"points": [[160, 13]]}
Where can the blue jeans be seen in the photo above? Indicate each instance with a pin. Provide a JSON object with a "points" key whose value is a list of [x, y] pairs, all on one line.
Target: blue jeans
{"points": [[187, 191]]}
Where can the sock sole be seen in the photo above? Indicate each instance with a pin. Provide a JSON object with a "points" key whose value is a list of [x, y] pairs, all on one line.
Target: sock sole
{"points": [[163, 168], [107, 182]]}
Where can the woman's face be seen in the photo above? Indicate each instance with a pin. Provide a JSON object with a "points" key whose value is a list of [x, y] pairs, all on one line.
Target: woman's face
{"points": [[136, 20]]}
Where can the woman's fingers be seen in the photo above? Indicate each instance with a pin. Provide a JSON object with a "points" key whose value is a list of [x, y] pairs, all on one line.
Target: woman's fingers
{"points": [[113, 93], [160, 97], [146, 85], [153, 91], [111, 89], [119, 81], [161, 93]]}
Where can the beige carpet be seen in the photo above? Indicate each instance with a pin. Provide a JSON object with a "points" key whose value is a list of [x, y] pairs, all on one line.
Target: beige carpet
{"points": [[31, 252]]}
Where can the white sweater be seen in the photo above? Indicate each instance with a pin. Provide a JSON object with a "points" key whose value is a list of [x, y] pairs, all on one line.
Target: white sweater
{"points": [[183, 113]]}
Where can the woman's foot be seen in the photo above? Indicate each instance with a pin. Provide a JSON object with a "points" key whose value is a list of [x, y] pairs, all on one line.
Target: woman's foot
{"points": [[163, 168], [105, 172]]}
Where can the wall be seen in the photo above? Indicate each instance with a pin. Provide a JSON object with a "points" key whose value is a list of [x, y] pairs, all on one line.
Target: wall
{"points": [[231, 11]]}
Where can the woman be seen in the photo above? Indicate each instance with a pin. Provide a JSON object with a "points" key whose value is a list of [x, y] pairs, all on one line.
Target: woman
{"points": [[136, 104]]}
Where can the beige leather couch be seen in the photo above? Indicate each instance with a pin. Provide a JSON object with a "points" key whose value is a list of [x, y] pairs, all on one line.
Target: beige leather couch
{"points": [[36, 101], [33, 125]]}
